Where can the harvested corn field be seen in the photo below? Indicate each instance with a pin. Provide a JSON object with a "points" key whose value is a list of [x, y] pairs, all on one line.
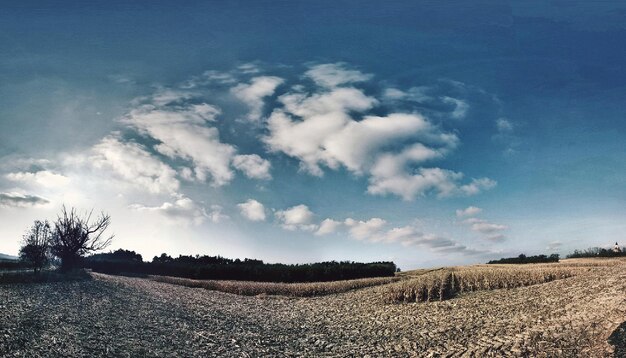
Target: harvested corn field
{"points": [[251, 288], [123, 316], [448, 283]]}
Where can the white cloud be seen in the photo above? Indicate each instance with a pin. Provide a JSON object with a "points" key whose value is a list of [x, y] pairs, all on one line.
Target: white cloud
{"points": [[13, 199], [253, 166], [298, 217], [43, 178], [216, 215], [506, 136], [182, 211], [319, 130], [440, 181], [372, 230], [483, 226], [504, 125], [415, 94], [460, 107], [252, 210], [469, 211], [335, 74], [135, 165], [254, 92], [362, 230], [328, 226], [183, 132], [554, 245]]}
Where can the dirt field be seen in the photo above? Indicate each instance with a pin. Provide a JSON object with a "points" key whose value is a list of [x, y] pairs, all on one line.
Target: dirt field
{"points": [[122, 316]]}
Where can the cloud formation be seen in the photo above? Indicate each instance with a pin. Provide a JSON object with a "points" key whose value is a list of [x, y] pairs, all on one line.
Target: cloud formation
{"points": [[328, 226], [182, 211], [132, 163], [253, 166], [374, 230], [44, 178], [252, 210], [332, 128], [298, 217], [254, 92], [331, 75], [21, 200], [469, 211]]}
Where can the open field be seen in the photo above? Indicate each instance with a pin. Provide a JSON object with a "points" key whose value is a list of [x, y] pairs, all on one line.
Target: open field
{"points": [[251, 288], [125, 316]]}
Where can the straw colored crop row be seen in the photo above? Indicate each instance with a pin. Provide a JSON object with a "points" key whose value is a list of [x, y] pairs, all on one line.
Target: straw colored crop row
{"points": [[251, 288], [441, 285]]}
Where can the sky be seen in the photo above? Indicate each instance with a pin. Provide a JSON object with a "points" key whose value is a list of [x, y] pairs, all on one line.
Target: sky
{"points": [[427, 133]]}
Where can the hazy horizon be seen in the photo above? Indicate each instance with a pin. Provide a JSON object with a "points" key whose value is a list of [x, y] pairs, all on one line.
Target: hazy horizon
{"points": [[427, 134]]}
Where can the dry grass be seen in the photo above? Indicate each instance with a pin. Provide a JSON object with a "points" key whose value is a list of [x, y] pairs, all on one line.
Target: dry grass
{"points": [[443, 284], [251, 288]]}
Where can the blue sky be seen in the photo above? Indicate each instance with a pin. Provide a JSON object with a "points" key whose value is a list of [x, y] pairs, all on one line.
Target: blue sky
{"points": [[298, 131]]}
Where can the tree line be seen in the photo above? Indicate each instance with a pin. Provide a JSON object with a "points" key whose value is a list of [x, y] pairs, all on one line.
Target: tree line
{"points": [[523, 259], [220, 268], [73, 240], [597, 252]]}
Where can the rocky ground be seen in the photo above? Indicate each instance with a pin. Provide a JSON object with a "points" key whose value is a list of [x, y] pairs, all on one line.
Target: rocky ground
{"points": [[131, 317]]}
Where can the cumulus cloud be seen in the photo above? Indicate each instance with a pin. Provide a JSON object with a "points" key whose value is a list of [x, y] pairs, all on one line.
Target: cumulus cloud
{"points": [[182, 211], [328, 226], [133, 163], [185, 129], [43, 178], [21, 200], [469, 211], [298, 217], [443, 182], [362, 230], [335, 74], [252, 210], [483, 226], [373, 230], [183, 132], [253, 166], [254, 92], [320, 130]]}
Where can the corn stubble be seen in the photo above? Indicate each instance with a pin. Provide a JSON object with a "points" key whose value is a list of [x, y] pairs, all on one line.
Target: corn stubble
{"points": [[251, 288], [445, 284]]}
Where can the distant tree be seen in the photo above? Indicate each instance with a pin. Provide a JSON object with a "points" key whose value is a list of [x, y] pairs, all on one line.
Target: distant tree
{"points": [[76, 235], [117, 255], [35, 250], [164, 258]]}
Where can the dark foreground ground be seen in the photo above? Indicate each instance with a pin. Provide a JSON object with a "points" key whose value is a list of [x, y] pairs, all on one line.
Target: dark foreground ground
{"points": [[134, 317]]}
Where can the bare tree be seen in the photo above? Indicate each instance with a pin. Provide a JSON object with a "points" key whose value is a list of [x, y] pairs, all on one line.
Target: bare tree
{"points": [[76, 235], [35, 250]]}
